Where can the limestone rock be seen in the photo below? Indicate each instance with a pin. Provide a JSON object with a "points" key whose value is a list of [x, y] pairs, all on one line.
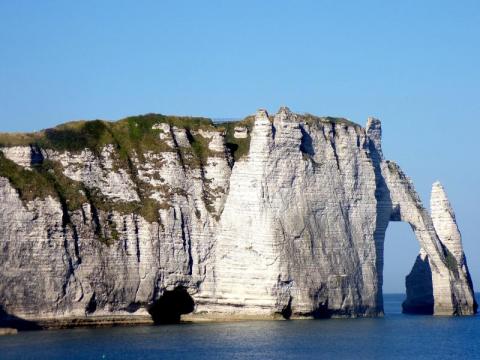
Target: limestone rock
{"points": [[294, 228], [444, 221], [25, 156], [96, 171], [241, 132], [429, 291]]}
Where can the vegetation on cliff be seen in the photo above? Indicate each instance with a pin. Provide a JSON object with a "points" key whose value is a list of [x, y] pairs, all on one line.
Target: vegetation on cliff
{"points": [[132, 138], [238, 147]]}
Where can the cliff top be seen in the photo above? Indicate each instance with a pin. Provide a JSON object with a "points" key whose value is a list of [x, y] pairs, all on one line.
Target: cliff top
{"points": [[134, 130]]}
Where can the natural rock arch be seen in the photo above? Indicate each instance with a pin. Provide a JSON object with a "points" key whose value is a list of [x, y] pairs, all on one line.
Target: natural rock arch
{"points": [[324, 253], [439, 282]]}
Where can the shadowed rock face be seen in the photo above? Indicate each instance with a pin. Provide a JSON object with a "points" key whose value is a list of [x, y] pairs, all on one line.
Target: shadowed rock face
{"points": [[293, 227], [419, 288]]}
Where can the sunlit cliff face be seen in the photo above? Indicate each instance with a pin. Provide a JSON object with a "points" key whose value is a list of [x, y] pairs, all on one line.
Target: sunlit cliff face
{"points": [[265, 217]]}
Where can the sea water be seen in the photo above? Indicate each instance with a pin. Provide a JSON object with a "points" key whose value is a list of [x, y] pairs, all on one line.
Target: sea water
{"points": [[395, 336]]}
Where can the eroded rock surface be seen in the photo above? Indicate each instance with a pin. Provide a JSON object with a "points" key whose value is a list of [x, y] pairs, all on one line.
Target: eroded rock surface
{"points": [[295, 227]]}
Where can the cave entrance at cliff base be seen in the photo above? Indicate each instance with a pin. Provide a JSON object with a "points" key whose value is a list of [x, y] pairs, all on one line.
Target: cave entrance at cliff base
{"points": [[169, 308], [401, 248]]}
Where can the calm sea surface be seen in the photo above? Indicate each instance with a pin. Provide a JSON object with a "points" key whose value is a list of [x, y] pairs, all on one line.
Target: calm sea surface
{"points": [[396, 336]]}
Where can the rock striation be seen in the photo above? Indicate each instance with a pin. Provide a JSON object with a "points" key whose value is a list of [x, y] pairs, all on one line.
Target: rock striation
{"points": [[281, 216]]}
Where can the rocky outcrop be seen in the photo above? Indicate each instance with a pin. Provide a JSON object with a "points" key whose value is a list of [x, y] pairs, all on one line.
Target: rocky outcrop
{"points": [[428, 291], [282, 216], [8, 331]]}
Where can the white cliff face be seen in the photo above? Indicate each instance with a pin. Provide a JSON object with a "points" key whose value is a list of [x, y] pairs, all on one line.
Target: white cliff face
{"points": [[241, 132], [444, 221], [295, 228], [96, 172], [25, 156], [246, 264], [21, 155], [447, 230]]}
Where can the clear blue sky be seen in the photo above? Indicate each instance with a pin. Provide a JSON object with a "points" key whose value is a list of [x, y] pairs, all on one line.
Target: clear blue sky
{"points": [[413, 64]]}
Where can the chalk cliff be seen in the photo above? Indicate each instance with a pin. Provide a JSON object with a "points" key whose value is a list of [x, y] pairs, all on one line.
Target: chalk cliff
{"points": [[266, 217]]}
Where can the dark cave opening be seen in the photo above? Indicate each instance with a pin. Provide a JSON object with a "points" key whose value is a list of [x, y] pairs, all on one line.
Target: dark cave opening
{"points": [[8, 320], [287, 310], [322, 311], [91, 306], [169, 308]]}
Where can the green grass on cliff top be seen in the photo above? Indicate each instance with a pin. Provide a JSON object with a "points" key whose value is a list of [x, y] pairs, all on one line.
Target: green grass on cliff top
{"points": [[132, 135], [134, 132], [311, 119], [78, 135]]}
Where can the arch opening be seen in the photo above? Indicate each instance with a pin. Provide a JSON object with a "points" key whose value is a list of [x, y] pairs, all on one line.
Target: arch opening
{"points": [[400, 248], [169, 308], [287, 310]]}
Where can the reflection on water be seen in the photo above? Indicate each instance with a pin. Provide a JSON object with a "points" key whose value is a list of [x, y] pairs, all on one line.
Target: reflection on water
{"points": [[396, 336]]}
